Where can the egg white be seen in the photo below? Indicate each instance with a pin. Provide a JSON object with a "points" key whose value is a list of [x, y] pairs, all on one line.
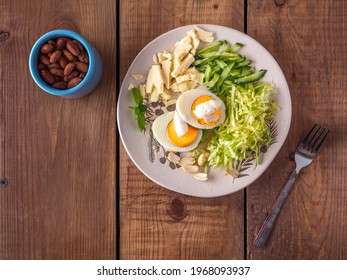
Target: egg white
{"points": [[184, 104], [159, 128]]}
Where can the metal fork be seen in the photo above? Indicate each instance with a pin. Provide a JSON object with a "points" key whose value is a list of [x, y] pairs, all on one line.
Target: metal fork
{"points": [[304, 155]]}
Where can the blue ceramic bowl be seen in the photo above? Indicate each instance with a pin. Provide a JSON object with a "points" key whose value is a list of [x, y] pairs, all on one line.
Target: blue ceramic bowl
{"points": [[90, 81]]}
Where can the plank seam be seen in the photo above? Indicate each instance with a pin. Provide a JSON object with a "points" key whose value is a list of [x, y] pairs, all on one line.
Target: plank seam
{"points": [[117, 222]]}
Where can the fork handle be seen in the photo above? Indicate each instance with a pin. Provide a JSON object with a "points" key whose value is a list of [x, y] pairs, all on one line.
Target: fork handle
{"points": [[268, 224]]}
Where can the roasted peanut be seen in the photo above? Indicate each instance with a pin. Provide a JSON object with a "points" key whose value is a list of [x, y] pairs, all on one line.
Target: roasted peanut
{"points": [[83, 57], [187, 161], [46, 48], [54, 65], [72, 48], [74, 82], [55, 56], [57, 72], [200, 176], [82, 67], [79, 45], [57, 78], [68, 69], [61, 43], [202, 159], [73, 74], [53, 43], [173, 158], [47, 76], [41, 66], [44, 59], [190, 168], [59, 85], [62, 61], [69, 56]]}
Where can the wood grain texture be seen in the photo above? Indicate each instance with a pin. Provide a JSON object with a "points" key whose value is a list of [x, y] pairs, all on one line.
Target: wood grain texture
{"points": [[58, 155], [157, 223], [309, 40]]}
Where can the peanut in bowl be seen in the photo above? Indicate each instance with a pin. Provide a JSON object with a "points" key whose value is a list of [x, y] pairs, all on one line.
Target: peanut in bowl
{"points": [[65, 64]]}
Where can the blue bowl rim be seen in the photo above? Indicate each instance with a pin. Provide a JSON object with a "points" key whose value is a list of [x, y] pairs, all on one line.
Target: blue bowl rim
{"points": [[34, 54]]}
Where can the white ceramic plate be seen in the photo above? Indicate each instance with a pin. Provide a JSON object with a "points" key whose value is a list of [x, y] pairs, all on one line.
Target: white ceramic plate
{"points": [[154, 165]]}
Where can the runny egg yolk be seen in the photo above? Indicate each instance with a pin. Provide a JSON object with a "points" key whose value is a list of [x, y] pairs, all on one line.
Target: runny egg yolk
{"points": [[184, 140], [200, 100]]}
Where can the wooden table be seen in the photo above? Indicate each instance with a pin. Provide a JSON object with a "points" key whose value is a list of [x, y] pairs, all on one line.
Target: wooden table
{"points": [[69, 190]]}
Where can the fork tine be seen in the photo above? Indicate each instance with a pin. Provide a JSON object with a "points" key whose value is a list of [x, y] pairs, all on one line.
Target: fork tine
{"points": [[314, 138], [304, 141], [316, 149]]}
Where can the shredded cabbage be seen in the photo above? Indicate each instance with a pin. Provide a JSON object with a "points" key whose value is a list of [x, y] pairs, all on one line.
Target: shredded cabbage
{"points": [[245, 129]]}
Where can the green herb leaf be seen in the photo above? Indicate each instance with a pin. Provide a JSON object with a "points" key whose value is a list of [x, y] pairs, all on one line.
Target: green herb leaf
{"points": [[139, 108], [143, 108], [137, 97], [137, 111], [141, 121]]}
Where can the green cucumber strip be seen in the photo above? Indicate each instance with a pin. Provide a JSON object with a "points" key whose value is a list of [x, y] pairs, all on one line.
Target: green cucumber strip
{"points": [[246, 71], [235, 73], [251, 78], [224, 46], [223, 76], [235, 47], [214, 80], [221, 63], [218, 54], [208, 73], [246, 62], [210, 48], [201, 61], [216, 69]]}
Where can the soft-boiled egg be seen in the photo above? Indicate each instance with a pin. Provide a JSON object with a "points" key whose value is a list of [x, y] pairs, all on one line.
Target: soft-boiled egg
{"points": [[201, 108], [181, 138]]}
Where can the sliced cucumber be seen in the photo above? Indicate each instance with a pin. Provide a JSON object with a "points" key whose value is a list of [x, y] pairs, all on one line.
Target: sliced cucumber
{"points": [[223, 67], [211, 47], [251, 78]]}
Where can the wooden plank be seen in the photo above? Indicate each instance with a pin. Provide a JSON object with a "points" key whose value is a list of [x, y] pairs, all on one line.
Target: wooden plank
{"points": [[157, 223], [58, 155], [309, 41]]}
